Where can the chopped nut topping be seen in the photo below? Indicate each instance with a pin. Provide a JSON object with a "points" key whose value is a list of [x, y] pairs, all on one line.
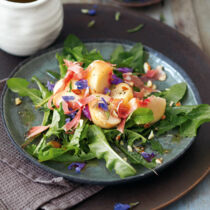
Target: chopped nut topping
{"points": [[17, 101], [125, 159], [171, 103], [159, 160], [151, 135], [149, 83], [130, 148], [147, 67]]}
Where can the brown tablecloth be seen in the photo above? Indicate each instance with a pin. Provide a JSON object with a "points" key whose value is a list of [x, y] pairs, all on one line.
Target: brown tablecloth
{"points": [[23, 185]]}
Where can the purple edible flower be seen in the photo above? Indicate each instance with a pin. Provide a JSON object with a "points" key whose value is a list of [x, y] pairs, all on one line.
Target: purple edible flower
{"points": [[68, 98], [78, 166], [124, 69], [103, 105], [121, 206], [91, 12], [82, 84], [67, 120], [107, 91], [86, 112], [50, 86], [72, 115], [147, 156], [116, 80]]}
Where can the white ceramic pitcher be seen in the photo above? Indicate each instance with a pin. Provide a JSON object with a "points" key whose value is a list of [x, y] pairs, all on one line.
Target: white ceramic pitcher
{"points": [[28, 27]]}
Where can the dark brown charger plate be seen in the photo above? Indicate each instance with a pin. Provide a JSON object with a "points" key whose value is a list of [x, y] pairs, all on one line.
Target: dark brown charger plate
{"points": [[137, 3], [176, 180]]}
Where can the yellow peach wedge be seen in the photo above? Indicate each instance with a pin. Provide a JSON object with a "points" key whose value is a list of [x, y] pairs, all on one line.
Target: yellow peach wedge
{"points": [[101, 117], [99, 76]]}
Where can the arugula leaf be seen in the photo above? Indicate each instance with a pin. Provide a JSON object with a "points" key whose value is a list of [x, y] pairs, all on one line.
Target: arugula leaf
{"points": [[137, 28], [62, 67], [132, 136], [175, 93], [48, 152], [53, 74], [77, 134], [69, 157], [188, 118], [156, 146], [116, 53], [136, 158], [101, 148], [117, 16], [139, 117], [134, 58], [20, 86], [44, 91], [196, 117], [71, 42]]}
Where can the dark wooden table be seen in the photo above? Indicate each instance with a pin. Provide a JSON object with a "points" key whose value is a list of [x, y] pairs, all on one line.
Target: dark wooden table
{"points": [[181, 176]]}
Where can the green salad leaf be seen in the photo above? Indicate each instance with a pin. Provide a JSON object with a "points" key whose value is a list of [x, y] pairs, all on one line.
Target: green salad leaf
{"points": [[20, 86], [134, 58], [175, 92], [139, 117], [136, 158], [101, 148], [69, 157], [132, 136], [44, 91], [188, 118], [196, 117]]}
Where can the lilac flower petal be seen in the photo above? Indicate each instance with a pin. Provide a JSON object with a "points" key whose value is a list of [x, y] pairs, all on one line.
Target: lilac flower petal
{"points": [[68, 98], [78, 166], [107, 91], [50, 86], [103, 105], [67, 120], [86, 112], [124, 69], [116, 80], [121, 206], [91, 12], [82, 84], [147, 156], [72, 115]]}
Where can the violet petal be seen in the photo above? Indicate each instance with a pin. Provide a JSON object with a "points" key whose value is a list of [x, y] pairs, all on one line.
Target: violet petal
{"points": [[148, 156], [91, 12], [68, 98], [107, 91], [103, 105], [86, 112], [116, 80], [124, 69], [121, 206], [82, 84], [67, 120], [50, 86], [78, 166]]}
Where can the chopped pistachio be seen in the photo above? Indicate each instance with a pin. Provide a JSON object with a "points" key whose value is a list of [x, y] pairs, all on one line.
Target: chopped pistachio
{"points": [[17, 101], [147, 67], [151, 135], [159, 160], [149, 83], [130, 148], [171, 103], [154, 86], [125, 159], [121, 143]]}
